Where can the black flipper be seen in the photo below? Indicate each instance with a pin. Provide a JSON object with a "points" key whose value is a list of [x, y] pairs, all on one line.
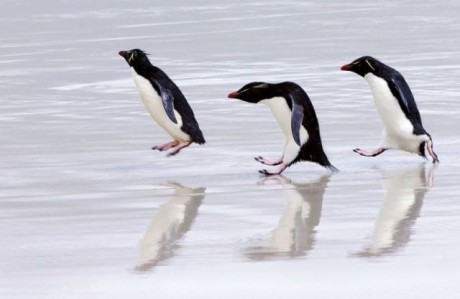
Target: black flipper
{"points": [[403, 94], [168, 104], [296, 122]]}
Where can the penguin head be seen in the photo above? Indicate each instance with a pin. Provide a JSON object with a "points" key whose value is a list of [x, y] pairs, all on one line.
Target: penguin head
{"points": [[135, 57], [253, 92], [362, 66]]}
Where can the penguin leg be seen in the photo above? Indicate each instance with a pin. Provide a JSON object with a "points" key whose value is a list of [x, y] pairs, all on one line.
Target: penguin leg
{"points": [[178, 148], [429, 146], [291, 152], [166, 146], [373, 153], [268, 161], [278, 170]]}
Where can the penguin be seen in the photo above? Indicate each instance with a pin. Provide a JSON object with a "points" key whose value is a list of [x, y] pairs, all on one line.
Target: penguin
{"points": [[396, 106], [165, 103], [296, 116]]}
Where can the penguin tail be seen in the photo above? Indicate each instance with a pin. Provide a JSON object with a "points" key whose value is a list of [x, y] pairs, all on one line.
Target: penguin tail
{"points": [[195, 134], [313, 151], [332, 168], [324, 161], [198, 138]]}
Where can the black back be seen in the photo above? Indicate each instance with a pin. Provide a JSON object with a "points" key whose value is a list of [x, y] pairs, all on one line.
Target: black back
{"points": [[169, 92], [397, 84]]}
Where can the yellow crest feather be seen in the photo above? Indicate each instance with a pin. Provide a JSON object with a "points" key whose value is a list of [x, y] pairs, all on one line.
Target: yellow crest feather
{"points": [[370, 65]]}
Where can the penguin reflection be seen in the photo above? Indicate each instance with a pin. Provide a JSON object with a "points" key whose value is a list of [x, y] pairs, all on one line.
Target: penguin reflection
{"points": [[404, 193], [172, 221], [295, 233]]}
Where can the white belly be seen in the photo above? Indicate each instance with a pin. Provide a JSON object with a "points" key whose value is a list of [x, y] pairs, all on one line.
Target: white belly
{"points": [[398, 129], [283, 114], [154, 105]]}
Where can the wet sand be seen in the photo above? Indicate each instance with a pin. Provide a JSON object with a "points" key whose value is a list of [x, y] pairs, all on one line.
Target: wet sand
{"points": [[89, 211]]}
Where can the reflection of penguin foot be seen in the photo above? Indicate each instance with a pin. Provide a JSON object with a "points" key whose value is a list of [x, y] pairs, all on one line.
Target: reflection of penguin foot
{"points": [[268, 161], [430, 179], [371, 253], [165, 146], [274, 180], [174, 185], [277, 171], [430, 176], [373, 153], [178, 148]]}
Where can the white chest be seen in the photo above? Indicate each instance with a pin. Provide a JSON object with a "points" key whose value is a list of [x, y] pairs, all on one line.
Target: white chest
{"points": [[283, 115], [387, 105], [154, 105]]}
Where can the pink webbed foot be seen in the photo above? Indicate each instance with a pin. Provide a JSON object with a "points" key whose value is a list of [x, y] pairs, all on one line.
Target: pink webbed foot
{"points": [[429, 146], [165, 146], [178, 148], [373, 153], [278, 170], [268, 161]]}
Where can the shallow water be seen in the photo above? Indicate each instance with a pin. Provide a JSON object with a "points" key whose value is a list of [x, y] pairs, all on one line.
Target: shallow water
{"points": [[89, 211]]}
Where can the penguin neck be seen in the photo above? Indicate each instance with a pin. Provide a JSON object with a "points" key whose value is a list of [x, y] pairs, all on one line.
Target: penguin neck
{"points": [[143, 68]]}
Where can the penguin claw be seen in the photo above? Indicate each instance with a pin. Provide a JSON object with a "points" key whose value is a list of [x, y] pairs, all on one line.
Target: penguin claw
{"points": [[373, 153], [165, 146], [171, 154], [158, 148], [178, 148], [266, 172], [278, 170], [259, 159]]}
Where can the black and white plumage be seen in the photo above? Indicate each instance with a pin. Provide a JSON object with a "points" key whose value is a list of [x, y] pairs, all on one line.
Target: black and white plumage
{"points": [[164, 101], [396, 106], [297, 118]]}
